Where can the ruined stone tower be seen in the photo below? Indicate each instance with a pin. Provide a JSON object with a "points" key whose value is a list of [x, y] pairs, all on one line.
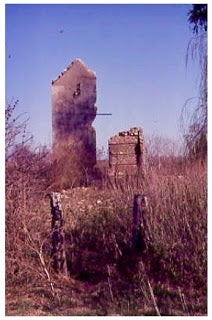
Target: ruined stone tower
{"points": [[73, 110]]}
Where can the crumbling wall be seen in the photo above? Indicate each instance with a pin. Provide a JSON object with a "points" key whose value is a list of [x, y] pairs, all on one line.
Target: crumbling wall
{"points": [[73, 110], [126, 152]]}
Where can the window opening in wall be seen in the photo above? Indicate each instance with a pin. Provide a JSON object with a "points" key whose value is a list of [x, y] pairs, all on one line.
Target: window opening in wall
{"points": [[77, 91]]}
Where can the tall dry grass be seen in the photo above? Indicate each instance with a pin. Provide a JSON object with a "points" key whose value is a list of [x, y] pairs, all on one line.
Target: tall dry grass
{"points": [[177, 220], [171, 278], [99, 241]]}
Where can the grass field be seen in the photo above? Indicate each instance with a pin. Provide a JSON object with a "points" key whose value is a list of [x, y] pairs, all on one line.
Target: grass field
{"points": [[106, 277]]}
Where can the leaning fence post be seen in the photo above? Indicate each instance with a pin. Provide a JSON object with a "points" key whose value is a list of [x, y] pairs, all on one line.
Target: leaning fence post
{"points": [[58, 239], [140, 234]]}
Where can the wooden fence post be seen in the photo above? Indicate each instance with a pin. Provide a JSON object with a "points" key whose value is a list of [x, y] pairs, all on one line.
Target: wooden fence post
{"points": [[140, 233], [58, 239]]}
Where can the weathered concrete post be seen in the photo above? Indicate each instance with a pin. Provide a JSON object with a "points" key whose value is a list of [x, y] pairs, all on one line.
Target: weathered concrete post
{"points": [[58, 239], [140, 233]]}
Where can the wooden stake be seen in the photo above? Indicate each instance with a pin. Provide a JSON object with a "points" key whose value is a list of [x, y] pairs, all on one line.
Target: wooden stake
{"points": [[58, 239], [140, 234]]}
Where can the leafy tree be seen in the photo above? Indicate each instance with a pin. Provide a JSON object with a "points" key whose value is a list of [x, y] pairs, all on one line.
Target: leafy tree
{"points": [[198, 17]]}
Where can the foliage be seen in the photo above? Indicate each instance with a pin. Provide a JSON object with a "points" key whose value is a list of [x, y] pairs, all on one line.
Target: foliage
{"points": [[15, 129], [107, 277], [196, 123], [99, 251], [67, 168], [198, 17]]}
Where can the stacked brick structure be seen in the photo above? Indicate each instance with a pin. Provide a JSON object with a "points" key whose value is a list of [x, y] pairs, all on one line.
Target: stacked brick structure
{"points": [[74, 110], [126, 153]]}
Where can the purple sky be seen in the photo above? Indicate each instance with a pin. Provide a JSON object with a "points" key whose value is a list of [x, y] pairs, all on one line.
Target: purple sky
{"points": [[138, 52]]}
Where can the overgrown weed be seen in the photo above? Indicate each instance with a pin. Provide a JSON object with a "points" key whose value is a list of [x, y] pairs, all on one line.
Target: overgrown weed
{"points": [[105, 278]]}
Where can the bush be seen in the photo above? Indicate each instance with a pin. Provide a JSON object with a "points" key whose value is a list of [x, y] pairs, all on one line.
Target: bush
{"points": [[67, 169], [98, 237]]}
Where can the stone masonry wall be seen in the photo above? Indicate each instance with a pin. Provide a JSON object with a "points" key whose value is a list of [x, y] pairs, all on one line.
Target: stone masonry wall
{"points": [[126, 152], [73, 109]]}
